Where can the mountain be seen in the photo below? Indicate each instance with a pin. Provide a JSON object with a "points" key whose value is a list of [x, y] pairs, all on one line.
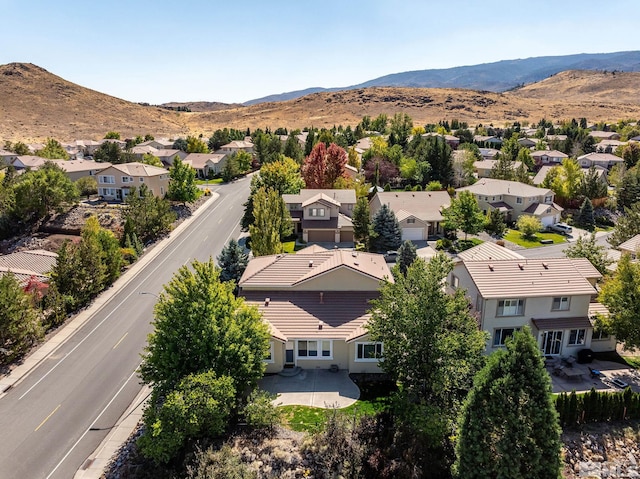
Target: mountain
{"points": [[496, 77], [200, 106]]}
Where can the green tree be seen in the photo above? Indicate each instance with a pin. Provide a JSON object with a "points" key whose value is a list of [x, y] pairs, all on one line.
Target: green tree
{"points": [[524, 156], [110, 152], [401, 125], [38, 193], [495, 224], [149, 159], [464, 214], [567, 180], [20, 326], [293, 149], [432, 344], [509, 426], [272, 222], [407, 254], [591, 186], [199, 407], [510, 148], [386, 233], [585, 215], [528, 226], [231, 169], [362, 221], [201, 326], [180, 144], [19, 148], [112, 135], [53, 150], [87, 186], [628, 190], [627, 226], [196, 145], [218, 139], [232, 261], [147, 215], [587, 247], [182, 182], [620, 293], [631, 154], [503, 169], [310, 142]]}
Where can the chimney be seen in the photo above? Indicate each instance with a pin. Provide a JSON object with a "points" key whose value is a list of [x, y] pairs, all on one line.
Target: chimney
{"points": [[321, 297], [266, 301]]}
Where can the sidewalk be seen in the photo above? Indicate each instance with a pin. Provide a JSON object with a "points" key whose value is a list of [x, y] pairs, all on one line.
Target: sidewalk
{"points": [[129, 420]]}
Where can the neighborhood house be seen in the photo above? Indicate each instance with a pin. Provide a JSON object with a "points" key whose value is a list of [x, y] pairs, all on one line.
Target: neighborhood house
{"points": [[116, 181]]}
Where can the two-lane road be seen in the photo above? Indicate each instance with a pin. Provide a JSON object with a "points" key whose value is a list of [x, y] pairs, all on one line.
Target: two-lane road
{"points": [[53, 419]]}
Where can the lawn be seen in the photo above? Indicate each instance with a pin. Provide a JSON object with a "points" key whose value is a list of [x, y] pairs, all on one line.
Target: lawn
{"points": [[216, 181], [516, 237], [291, 246]]}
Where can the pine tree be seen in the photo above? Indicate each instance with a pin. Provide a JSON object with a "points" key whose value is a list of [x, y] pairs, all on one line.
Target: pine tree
{"points": [[387, 234], [495, 224], [407, 254], [585, 215], [509, 425], [361, 221], [232, 261]]}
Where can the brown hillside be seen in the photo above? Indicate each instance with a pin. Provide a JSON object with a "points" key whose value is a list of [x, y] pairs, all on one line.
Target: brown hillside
{"points": [[37, 104], [196, 106]]}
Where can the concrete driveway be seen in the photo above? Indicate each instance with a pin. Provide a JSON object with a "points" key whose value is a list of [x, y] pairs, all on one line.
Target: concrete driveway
{"points": [[312, 387]]}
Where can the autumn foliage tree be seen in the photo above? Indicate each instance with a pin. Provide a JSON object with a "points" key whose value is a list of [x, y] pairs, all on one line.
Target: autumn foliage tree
{"points": [[324, 166]]}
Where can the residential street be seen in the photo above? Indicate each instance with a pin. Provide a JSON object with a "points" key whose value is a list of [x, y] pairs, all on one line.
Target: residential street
{"points": [[54, 418], [557, 250]]}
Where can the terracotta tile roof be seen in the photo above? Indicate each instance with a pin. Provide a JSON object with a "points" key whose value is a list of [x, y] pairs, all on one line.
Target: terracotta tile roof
{"points": [[523, 278], [308, 315], [493, 187], [488, 251], [287, 270]]}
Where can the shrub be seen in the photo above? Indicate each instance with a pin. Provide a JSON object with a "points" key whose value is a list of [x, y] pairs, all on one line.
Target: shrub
{"points": [[260, 411], [443, 244]]}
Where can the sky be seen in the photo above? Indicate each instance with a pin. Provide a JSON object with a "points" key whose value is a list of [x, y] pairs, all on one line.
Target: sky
{"points": [[158, 51]]}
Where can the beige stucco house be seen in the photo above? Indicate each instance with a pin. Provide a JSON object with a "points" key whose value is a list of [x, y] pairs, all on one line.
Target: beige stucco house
{"points": [[76, 169], [322, 215], [418, 212], [546, 157], [206, 164], [515, 199], [115, 182], [553, 297], [631, 247], [483, 168], [236, 146], [317, 303]]}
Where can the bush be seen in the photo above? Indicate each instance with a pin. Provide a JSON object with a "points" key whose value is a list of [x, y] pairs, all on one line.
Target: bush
{"points": [[407, 188], [260, 411], [444, 244], [597, 406], [221, 463]]}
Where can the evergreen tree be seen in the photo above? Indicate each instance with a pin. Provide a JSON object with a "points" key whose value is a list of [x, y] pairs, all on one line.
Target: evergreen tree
{"points": [[509, 425], [387, 235], [495, 224], [591, 186], [585, 215], [232, 261], [503, 169], [407, 254], [362, 221], [292, 149], [147, 215], [310, 142], [628, 190], [53, 150]]}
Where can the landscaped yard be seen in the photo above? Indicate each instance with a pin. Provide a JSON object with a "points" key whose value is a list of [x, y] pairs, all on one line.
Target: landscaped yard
{"points": [[215, 181], [516, 237]]}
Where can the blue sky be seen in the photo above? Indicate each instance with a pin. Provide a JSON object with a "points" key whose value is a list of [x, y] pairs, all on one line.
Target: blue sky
{"points": [[234, 51]]}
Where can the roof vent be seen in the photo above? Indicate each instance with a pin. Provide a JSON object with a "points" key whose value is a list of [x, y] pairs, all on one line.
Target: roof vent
{"points": [[321, 297], [545, 265], [310, 263], [319, 325], [266, 301], [490, 267], [354, 254], [355, 263], [521, 266]]}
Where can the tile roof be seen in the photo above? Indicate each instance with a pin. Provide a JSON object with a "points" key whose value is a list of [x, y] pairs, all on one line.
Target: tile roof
{"points": [[488, 251], [549, 153], [75, 166], [27, 264], [538, 209], [314, 315], [596, 308], [492, 187], [528, 278], [238, 144], [340, 196], [320, 197], [561, 323], [608, 157], [632, 244], [584, 266], [199, 160], [489, 164], [288, 270], [424, 205], [140, 169], [542, 174]]}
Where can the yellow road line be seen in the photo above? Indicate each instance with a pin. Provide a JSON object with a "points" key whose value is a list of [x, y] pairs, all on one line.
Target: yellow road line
{"points": [[125, 335], [47, 418]]}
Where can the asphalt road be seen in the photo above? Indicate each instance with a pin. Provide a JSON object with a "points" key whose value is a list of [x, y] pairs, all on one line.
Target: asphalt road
{"points": [[53, 419], [557, 250]]}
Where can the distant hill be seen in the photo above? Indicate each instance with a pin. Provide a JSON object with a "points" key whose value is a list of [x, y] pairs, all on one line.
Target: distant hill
{"points": [[496, 77], [195, 106]]}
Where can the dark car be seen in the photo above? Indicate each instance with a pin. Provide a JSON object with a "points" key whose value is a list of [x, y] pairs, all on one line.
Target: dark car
{"points": [[391, 256]]}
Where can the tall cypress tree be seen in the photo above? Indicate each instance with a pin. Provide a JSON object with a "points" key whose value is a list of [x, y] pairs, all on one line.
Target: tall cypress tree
{"points": [[509, 425]]}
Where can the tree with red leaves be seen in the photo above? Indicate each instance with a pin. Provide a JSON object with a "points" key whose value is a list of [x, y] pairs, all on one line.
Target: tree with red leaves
{"points": [[324, 166], [381, 171]]}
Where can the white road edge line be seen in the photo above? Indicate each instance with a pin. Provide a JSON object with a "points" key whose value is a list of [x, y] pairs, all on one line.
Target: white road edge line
{"points": [[93, 423], [109, 315]]}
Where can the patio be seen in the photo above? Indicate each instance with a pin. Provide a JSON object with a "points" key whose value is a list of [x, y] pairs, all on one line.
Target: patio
{"points": [[578, 377]]}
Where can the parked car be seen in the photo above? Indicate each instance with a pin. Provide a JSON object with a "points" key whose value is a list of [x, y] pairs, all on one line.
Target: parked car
{"points": [[562, 228], [391, 256]]}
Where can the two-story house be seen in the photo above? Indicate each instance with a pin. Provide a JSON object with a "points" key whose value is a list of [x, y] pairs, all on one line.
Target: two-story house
{"points": [[419, 213], [116, 181], [236, 146], [206, 164], [515, 199], [316, 303], [546, 157], [76, 169], [322, 215], [553, 297], [605, 160], [483, 168]]}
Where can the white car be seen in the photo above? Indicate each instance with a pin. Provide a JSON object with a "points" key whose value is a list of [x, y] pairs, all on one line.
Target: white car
{"points": [[562, 228]]}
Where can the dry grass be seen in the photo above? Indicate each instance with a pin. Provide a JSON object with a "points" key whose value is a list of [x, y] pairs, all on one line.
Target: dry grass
{"points": [[37, 104]]}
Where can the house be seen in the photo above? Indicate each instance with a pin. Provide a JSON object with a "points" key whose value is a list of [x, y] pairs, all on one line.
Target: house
{"points": [[28, 265], [487, 140], [322, 215], [553, 297], [166, 156], [87, 147], [631, 247], [605, 160], [7, 157], [527, 142], [550, 138], [23, 162], [116, 181], [140, 150], [76, 169], [546, 157], [235, 146], [418, 212], [483, 168], [605, 135], [515, 199], [452, 141], [488, 153], [542, 174], [159, 144], [316, 303], [609, 146], [206, 164]]}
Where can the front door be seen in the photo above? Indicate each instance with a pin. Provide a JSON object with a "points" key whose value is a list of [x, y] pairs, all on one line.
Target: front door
{"points": [[552, 343], [288, 353], [118, 194]]}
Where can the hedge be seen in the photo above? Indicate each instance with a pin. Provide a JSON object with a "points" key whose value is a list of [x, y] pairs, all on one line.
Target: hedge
{"points": [[597, 406]]}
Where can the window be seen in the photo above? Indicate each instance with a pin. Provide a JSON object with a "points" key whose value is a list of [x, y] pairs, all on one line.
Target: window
{"points": [[316, 212], [127, 179], [141, 180], [519, 200], [350, 206], [548, 199], [560, 304], [501, 335], [369, 352], [600, 335], [268, 358], [411, 220], [107, 179], [107, 192], [577, 337], [510, 307], [161, 191], [455, 282], [321, 348]]}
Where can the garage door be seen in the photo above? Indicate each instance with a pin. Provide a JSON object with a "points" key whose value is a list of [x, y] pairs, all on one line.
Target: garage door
{"points": [[346, 236], [413, 234], [318, 236], [547, 220]]}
